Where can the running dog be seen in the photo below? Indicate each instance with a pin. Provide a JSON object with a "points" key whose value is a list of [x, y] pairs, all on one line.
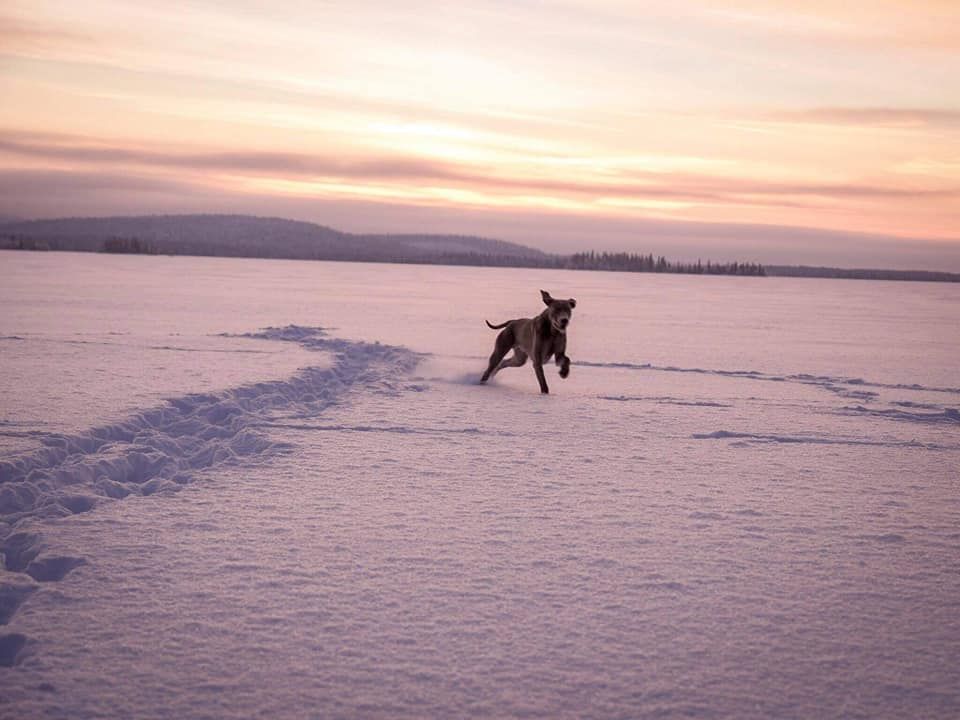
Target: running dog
{"points": [[537, 338]]}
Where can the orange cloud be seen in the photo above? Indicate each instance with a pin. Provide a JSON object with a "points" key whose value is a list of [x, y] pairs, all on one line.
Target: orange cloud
{"points": [[630, 185]]}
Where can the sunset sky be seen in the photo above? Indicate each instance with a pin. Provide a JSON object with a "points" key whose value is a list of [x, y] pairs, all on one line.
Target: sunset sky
{"points": [[815, 132]]}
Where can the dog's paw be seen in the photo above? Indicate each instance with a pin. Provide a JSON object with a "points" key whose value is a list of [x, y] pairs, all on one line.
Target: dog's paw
{"points": [[564, 372]]}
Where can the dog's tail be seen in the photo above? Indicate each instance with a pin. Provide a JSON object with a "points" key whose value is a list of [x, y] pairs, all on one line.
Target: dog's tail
{"points": [[497, 327]]}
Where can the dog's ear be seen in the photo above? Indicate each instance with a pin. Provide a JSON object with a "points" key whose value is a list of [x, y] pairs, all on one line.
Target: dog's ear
{"points": [[573, 303], [546, 297]]}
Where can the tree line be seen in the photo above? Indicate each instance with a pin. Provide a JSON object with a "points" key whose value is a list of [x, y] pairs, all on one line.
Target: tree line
{"points": [[128, 245], [637, 262], [616, 262]]}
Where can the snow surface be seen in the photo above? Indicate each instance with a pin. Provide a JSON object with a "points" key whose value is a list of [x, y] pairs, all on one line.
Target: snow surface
{"points": [[742, 503]]}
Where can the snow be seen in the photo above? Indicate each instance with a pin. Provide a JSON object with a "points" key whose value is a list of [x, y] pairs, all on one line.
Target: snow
{"points": [[742, 503]]}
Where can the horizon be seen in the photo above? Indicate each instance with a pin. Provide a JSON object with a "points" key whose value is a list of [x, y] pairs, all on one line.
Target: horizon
{"points": [[6, 221], [762, 133]]}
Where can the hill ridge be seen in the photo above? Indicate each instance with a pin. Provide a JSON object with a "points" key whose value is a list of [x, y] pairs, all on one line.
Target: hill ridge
{"points": [[267, 236]]}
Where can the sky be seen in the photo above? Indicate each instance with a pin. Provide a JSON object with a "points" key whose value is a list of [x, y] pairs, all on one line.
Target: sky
{"points": [[772, 131]]}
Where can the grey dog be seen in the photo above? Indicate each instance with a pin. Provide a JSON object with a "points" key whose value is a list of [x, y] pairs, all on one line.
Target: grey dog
{"points": [[537, 338]]}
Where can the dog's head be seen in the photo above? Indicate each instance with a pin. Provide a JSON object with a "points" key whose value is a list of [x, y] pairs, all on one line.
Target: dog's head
{"points": [[559, 311]]}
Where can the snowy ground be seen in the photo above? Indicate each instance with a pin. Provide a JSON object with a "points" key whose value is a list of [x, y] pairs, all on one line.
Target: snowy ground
{"points": [[742, 503]]}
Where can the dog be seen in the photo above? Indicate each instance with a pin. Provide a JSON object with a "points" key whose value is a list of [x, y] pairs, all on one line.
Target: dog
{"points": [[537, 338]]}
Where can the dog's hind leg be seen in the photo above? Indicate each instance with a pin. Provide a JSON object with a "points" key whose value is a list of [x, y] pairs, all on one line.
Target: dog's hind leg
{"points": [[518, 358], [500, 349]]}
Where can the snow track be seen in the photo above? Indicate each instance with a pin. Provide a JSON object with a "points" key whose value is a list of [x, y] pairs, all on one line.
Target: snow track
{"points": [[837, 384], [162, 448]]}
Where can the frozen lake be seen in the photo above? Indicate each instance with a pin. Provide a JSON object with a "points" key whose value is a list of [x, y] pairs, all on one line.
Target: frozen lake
{"points": [[742, 503]]}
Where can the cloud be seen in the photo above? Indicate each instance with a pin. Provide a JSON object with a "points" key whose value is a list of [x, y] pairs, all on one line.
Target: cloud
{"points": [[872, 116], [684, 187], [46, 185], [23, 34], [274, 163], [886, 24]]}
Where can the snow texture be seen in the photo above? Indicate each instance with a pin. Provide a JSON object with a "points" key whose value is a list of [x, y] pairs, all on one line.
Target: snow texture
{"points": [[741, 504], [160, 449]]}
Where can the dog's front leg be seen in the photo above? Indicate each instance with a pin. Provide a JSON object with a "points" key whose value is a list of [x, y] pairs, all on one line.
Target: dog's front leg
{"points": [[560, 352], [537, 357], [538, 369]]}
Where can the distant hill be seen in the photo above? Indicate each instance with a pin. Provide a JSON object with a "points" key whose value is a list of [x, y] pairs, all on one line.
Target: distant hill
{"points": [[248, 236], [270, 237]]}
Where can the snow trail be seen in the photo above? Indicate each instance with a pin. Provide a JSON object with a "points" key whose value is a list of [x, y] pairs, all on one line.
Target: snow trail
{"points": [[163, 448], [833, 383]]}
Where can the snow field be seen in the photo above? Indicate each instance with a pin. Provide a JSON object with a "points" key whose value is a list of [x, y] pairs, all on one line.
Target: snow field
{"points": [[686, 527]]}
